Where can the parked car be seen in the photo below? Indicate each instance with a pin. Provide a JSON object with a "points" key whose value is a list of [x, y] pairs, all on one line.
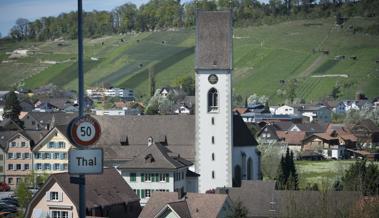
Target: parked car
{"points": [[4, 187], [10, 201]]}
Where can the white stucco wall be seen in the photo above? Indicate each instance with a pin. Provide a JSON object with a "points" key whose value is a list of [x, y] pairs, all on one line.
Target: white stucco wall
{"points": [[221, 130], [250, 151], [170, 186], [285, 110]]}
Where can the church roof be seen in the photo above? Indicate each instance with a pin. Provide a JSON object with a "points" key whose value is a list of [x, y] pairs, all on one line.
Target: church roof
{"points": [[123, 138], [156, 156]]}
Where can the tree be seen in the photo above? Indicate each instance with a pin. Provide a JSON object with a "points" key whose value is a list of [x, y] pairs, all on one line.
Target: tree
{"points": [[12, 108], [187, 84], [23, 194], [287, 174], [362, 177], [271, 158], [291, 90], [152, 80], [238, 211]]}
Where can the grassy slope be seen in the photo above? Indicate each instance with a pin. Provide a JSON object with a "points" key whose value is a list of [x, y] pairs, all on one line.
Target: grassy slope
{"points": [[262, 57], [324, 173]]}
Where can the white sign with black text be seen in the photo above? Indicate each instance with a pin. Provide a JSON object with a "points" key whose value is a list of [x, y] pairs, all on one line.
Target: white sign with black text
{"points": [[85, 161]]}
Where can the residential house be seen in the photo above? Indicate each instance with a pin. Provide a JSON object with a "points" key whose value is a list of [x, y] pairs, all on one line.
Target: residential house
{"points": [[107, 195], [267, 135], [262, 200], [26, 106], [111, 92], [18, 161], [293, 134], [46, 121], [367, 132], [192, 205], [71, 109], [182, 109], [45, 107], [167, 91], [316, 113], [158, 169], [51, 152], [3, 143], [330, 145], [249, 117], [284, 110], [347, 105]]}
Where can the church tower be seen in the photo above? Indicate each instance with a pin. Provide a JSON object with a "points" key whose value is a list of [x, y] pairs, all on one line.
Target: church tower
{"points": [[213, 99]]}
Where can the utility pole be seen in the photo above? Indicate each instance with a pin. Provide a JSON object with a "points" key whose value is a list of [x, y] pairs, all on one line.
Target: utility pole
{"points": [[82, 190]]}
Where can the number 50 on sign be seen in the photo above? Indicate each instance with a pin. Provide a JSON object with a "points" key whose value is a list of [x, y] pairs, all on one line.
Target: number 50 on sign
{"points": [[84, 131]]}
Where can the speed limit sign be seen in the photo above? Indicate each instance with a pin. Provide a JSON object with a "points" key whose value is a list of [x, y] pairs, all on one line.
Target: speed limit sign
{"points": [[84, 131]]}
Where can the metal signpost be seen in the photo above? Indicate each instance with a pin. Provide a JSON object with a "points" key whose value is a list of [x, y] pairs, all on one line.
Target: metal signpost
{"points": [[84, 131]]}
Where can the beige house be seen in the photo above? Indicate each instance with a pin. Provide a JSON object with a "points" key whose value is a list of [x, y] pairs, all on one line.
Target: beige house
{"points": [[51, 153], [58, 198], [19, 160]]}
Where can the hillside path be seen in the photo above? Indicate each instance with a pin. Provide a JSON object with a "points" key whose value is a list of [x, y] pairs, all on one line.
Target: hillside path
{"points": [[316, 63]]}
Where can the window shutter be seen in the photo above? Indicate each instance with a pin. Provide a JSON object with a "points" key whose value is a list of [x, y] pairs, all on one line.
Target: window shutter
{"points": [[167, 177], [61, 156], [142, 177], [69, 214], [60, 196], [47, 196], [157, 177], [61, 167], [152, 176], [138, 193], [142, 193]]}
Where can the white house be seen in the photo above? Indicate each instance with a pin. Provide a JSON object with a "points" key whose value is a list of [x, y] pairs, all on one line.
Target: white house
{"points": [[112, 92], [158, 169], [182, 110], [316, 113], [284, 110]]}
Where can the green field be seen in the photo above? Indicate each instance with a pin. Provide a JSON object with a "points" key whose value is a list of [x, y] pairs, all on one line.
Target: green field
{"points": [[324, 173], [263, 56]]}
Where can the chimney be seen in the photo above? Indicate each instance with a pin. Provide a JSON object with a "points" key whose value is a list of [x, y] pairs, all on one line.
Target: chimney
{"points": [[150, 141]]}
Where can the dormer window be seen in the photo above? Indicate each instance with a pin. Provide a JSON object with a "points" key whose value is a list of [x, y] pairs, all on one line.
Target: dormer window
{"points": [[149, 158], [212, 100]]}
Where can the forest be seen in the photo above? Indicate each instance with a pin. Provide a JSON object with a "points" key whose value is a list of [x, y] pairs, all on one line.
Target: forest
{"points": [[167, 14]]}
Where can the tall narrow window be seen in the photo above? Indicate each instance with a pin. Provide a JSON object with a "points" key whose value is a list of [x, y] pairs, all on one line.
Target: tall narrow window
{"points": [[213, 174], [213, 139], [213, 121], [213, 156], [212, 100]]}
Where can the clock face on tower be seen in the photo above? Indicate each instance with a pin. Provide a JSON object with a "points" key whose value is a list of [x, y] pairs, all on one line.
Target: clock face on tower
{"points": [[212, 79]]}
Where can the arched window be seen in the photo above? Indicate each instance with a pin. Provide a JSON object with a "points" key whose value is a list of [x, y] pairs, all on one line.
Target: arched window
{"points": [[237, 176], [243, 159], [212, 100], [249, 168]]}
